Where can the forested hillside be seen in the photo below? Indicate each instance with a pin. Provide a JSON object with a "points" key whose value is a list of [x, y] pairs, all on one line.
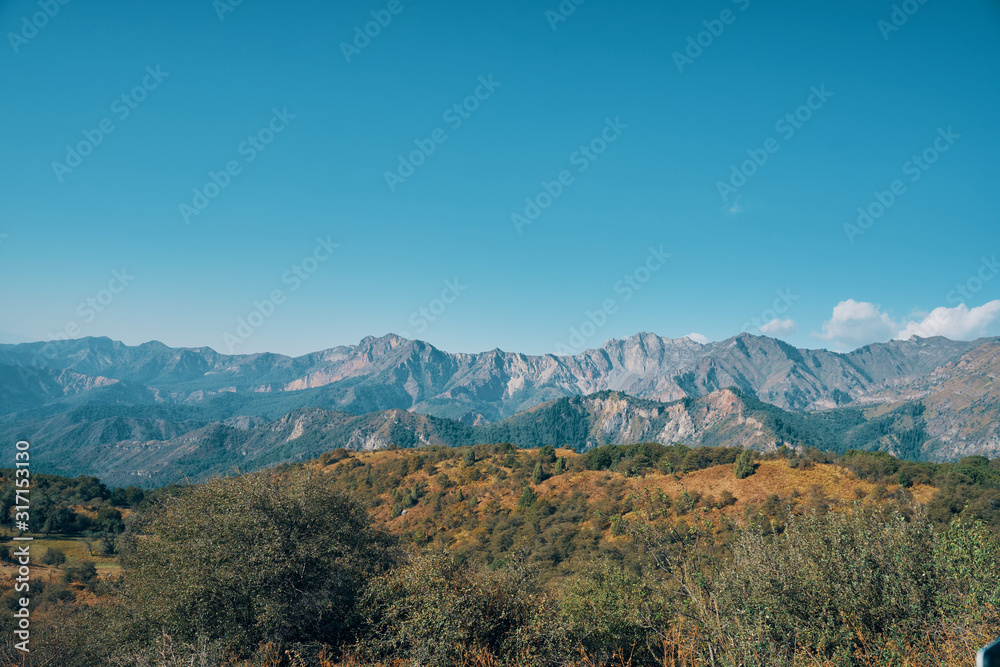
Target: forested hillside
{"points": [[149, 446]]}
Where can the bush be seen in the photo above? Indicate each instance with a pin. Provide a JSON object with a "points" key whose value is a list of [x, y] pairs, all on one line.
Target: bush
{"points": [[867, 582], [251, 559], [84, 572], [610, 611], [469, 458], [437, 612]]}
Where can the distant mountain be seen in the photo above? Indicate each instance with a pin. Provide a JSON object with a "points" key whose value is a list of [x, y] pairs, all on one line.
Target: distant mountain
{"points": [[159, 444], [395, 373], [154, 445], [959, 403], [151, 413]]}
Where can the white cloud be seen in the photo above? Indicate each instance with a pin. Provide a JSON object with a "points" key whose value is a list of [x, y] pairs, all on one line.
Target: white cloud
{"points": [[779, 327], [960, 322], [856, 323], [698, 338]]}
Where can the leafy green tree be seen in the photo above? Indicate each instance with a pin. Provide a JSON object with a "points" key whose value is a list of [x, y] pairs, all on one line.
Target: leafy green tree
{"points": [[974, 461], [54, 557], [250, 559], [744, 464], [527, 498], [109, 519], [469, 458], [538, 474], [560, 466], [84, 572]]}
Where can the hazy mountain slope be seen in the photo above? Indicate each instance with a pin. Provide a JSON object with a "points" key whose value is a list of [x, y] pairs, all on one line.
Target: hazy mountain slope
{"points": [[158, 445], [191, 411], [916, 357], [151, 450], [960, 404], [394, 373], [151, 445], [25, 387]]}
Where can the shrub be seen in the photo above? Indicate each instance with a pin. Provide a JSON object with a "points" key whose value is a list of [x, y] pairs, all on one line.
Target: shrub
{"points": [[84, 572], [437, 612], [610, 610], [250, 559], [835, 587]]}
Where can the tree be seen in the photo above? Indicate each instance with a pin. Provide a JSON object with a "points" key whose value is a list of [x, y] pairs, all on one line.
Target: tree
{"points": [[109, 519], [250, 559], [527, 498], [83, 572], [469, 458], [538, 475], [54, 557], [560, 466], [744, 464]]}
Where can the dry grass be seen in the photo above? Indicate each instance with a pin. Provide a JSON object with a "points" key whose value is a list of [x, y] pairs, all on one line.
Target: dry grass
{"points": [[75, 549], [771, 477]]}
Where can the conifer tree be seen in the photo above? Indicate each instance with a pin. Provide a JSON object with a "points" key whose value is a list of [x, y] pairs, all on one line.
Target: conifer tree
{"points": [[744, 464]]}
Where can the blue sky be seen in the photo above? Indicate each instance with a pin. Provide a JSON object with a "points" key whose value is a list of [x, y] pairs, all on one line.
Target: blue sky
{"points": [[302, 131]]}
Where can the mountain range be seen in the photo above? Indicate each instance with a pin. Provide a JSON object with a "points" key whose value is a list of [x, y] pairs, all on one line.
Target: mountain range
{"points": [[151, 413]]}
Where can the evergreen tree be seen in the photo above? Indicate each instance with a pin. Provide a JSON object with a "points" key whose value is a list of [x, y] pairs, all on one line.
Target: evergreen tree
{"points": [[538, 475], [470, 457], [527, 498], [744, 464], [560, 466]]}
